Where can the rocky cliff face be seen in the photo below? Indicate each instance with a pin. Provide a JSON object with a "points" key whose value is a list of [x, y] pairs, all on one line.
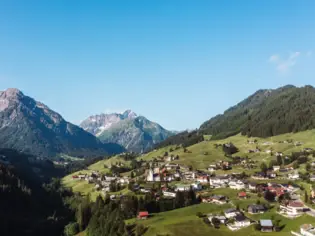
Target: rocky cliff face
{"points": [[135, 133], [30, 126]]}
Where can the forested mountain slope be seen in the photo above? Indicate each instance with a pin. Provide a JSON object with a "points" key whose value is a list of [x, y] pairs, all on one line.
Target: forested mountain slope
{"points": [[26, 207], [265, 113]]}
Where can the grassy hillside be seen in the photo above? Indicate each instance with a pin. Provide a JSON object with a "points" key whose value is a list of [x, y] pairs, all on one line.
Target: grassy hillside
{"points": [[196, 155], [185, 222], [83, 186]]}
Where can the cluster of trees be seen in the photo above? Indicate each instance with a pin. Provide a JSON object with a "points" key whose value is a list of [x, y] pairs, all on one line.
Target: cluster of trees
{"points": [[106, 217], [266, 113], [30, 206], [129, 156]]}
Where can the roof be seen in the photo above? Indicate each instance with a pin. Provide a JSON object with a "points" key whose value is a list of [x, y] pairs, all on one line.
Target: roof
{"points": [[296, 204], [266, 223], [230, 210], [240, 218], [143, 214], [242, 194], [257, 207]]}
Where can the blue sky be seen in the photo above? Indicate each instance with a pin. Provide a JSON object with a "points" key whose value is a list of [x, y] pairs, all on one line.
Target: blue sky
{"points": [[176, 62]]}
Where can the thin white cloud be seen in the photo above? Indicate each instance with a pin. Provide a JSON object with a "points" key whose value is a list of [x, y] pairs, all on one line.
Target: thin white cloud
{"points": [[285, 65]]}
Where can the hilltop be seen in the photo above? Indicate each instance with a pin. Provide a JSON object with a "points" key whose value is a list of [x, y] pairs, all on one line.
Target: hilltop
{"points": [[133, 132]]}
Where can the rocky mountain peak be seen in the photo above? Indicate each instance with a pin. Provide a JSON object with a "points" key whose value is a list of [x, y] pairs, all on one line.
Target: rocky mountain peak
{"points": [[129, 114], [11, 93]]}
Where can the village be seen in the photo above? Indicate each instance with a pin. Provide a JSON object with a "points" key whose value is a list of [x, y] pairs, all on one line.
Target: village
{"points": [[259, 188]]}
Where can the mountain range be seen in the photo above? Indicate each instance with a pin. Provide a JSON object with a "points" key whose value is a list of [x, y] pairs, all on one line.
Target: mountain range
{"points": [[31, 127], [133, 132]]}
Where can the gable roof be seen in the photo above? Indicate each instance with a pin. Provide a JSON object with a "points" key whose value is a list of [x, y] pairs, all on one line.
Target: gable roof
{"points": [[266, 223], [143, 214]]}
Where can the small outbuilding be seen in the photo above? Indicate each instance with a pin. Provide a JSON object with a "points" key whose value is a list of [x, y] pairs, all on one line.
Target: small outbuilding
{"points": [[266, 225]]}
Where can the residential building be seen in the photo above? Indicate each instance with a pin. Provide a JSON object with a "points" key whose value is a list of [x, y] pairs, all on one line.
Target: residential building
{"points": [[294, 176], [219, 199], [230, 213], [294, 208], [182, 187], [266, 225], [237, 185], [241, 221], [256, 209], [222, 219], [252, 186]]}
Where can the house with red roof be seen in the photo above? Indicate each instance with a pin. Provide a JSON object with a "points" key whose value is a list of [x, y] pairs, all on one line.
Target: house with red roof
{"points": [[242, 195], [142, 215]]}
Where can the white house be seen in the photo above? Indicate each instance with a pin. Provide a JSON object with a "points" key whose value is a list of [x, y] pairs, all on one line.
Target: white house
{"points": [[276, 168], [219, 180], [230, 213], [151, 177], [294, 208], [237, 185], [294, 176], [169, 194]]}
